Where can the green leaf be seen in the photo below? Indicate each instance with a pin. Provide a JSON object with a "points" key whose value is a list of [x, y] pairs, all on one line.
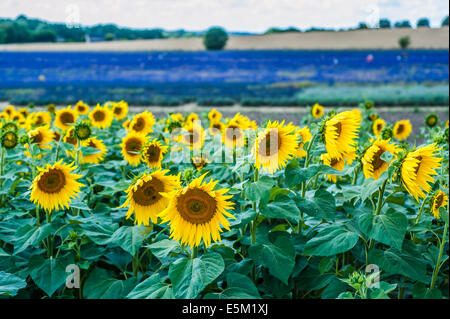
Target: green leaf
{"points": [[102, 285], [282, 207], [278, 257], [388, 228], [3, 253], [10, 284], [190, 276], [398, 262], [444, 214], [259, 192], [238, 287], [49, 274], [163, 248], [99, 233], [151, 288], [420, 291], [322, 205], [331, 240], [30, 235], [370, 186], [130, 238], [296, 175]]}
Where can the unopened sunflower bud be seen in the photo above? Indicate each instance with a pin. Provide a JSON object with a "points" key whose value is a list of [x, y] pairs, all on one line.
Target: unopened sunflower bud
{"points": [[82, 130], [9, 139], [431, 120], [387, 133]]}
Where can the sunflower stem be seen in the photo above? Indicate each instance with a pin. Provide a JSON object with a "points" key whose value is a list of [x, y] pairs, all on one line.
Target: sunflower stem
{"points": [[355, 176], [419, 215], [194, 252], [2, 171], [254, 224], [379, 206], [49, 238], [438, 262]]}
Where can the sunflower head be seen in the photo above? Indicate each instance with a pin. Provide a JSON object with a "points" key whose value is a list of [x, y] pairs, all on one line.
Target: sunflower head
{"points": [[153, 153], [51, 108], [144, 197], [120, 110], [340, 133], [17, 117], [377, 126], [402, 130], [23, 111], [304, 135], [94, 158], [387, 133], [10, 109], [193, 136], [82, 130], [196, 212], [372, 116], [142, 123], [41, 136], [373, 164], [82, 108], [369, 104], [440, 199], [317, 111], [132, 145], [418, 168], [431, 120], [214, 115], [216, 127], [70, 137], [200, 162], [9, 139], [275, 146], [233, 134], [101, 117], [337, 163], [10, 126], [40, 118], [65, 118]]}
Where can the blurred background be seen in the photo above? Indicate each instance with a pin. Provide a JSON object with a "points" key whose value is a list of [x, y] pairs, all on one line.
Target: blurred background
{"points": [[267, 57]]}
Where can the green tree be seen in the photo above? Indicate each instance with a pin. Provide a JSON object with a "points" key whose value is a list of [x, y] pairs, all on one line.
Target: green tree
{"points": [[384, 24], [424, 22], [2, 35], [445, 22], [109, 37], [215, 38], [44, 36], [403, 24], [404, 42]]}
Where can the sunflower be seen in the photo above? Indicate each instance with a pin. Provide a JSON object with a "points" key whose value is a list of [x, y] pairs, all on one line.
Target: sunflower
{"points": [[378, 126], [142, 123], [131, 147], [120, 110], [9, 139], [373, 165], [337, 163], [197, 212], [126, 124], [55, 186], [23, 111], [357, 114], [214, 115], [234, 136], [144, 197], [373, 116], [153, 153], [191, 118], [304, 135], [101, 117], [193, 136], [340, 134], [65, 118], [317, 111], [402, 129], [41, 136], [16, 116], [176, 117], [40, 118], [216, 128], [82, 108], [275, 146], [96, 157], [418, 168], [431, 120], [439, 200], [200, 162], [70, 137], [9, 110]]}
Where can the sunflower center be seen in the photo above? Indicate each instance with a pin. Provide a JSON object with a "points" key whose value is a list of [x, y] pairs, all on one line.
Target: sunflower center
{"points": [[99, 116], [334, 162], [67, 118], [9, 140], [191, 137], [37, 138], [196, 206], [338, 127], [438, 201], [81, 108], [152, 153], [217, 126], [117, 110], [400, 129], [377, 162], [133, 145], [419, 158], [149, 193], [139, 125], [270, 144], [39, 120], [52, 181]]}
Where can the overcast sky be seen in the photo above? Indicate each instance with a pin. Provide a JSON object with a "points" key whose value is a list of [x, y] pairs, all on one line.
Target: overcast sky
{"points": [[234, 15]]}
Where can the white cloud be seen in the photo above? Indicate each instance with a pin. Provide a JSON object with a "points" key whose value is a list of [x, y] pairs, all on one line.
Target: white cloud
{"points": [[236, 15]]}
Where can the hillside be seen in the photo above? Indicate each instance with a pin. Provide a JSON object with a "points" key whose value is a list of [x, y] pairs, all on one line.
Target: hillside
{"points": [[422, 38]]}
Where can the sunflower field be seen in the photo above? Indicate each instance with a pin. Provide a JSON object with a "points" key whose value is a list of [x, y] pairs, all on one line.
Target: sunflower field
{"points": [[96, 202]]}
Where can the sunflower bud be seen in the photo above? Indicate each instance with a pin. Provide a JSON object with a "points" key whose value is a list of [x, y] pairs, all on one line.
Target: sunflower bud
{"points": [[369, 104], [24, 139], [188, 174], [431, 120], [51, 108], [387, 133], [82, 130], [9, 139], [10, 126]]}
